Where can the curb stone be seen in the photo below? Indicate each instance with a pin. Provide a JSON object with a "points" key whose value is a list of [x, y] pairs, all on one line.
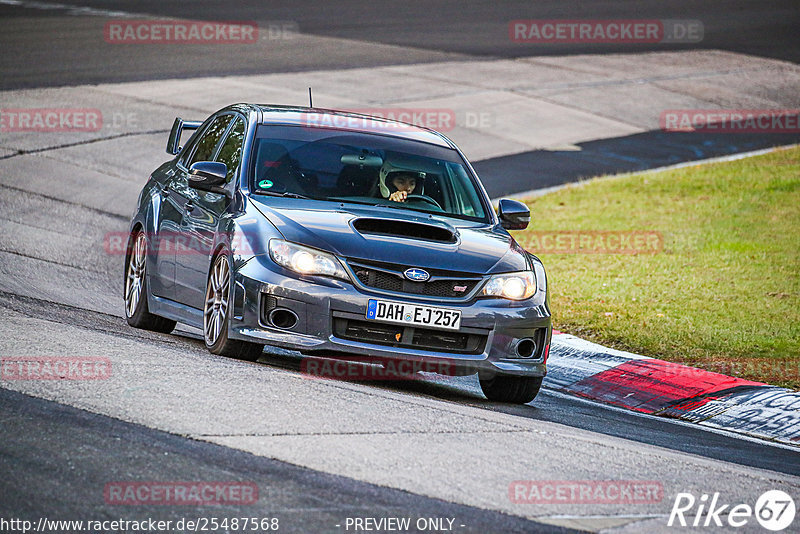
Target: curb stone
{"points": [[657, 387]]}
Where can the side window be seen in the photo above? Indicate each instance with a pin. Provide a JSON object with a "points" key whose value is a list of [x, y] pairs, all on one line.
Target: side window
{"points": [[204, 148], [231, 152]]}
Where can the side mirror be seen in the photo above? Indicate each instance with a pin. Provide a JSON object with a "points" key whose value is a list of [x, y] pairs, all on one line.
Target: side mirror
{"points": [[513, 215], [209, 176]]}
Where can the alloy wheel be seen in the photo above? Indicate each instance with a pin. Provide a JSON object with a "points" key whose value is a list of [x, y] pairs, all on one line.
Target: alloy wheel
{"points": [[216, 306], [136, 272]]}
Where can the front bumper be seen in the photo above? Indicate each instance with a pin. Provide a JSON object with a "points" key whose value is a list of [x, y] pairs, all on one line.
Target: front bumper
{"points": [[331, 321]]}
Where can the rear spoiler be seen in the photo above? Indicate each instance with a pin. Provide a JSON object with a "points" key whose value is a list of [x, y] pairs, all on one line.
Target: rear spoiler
{"points": [[173, 143]]}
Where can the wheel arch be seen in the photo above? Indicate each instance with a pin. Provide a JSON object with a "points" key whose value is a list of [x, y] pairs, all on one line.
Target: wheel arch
{"points": [[213, 257]]}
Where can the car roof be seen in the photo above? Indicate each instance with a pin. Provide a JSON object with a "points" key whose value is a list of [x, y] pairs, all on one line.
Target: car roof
{"points": [[347, 120]]}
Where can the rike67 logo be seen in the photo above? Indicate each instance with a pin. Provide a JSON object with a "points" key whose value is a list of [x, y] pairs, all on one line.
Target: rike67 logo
{"points": [[774, 510]]}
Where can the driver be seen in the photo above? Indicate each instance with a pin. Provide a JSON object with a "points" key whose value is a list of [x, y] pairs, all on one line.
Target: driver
{"points": [[404, 183], [396, 182]]}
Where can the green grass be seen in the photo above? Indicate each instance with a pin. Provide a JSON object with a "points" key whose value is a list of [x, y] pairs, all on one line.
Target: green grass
{"points": [[723, 294]]}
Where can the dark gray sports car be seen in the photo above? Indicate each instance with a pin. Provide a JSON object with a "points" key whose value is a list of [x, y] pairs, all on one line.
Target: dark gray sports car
{"points": [[339, 235]]}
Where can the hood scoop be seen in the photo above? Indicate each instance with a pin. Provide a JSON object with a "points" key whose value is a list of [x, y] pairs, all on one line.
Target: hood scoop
{"points": [[397, 228]]}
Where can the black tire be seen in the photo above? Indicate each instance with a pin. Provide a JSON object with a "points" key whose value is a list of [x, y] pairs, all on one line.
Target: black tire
{"points": [[514, 389], [215, 307], [135, 289]]}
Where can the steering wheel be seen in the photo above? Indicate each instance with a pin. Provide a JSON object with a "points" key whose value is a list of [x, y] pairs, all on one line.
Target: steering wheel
{"points": [[424, 198]]}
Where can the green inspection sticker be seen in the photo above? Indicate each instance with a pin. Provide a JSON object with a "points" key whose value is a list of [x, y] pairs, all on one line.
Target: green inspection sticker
{"points": [[265, 184]]}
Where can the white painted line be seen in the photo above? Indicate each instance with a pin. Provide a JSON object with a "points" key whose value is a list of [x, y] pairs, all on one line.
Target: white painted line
{"points": [[613, 516]]}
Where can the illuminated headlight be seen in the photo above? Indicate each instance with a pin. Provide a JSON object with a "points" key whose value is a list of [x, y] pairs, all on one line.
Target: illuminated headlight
{"points": [[514, 286], [305, 260]]}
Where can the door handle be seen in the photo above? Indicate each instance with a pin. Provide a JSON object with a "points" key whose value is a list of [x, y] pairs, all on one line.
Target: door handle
{"points": [[189, 207]]}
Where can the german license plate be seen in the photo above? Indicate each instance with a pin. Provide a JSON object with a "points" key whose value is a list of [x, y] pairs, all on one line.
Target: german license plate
{"points": [[413, 314]]}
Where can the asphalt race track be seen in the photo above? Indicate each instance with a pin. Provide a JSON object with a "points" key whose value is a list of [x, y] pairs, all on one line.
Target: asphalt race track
{"points": [[53, 46], [304, 500], [323, 451]]}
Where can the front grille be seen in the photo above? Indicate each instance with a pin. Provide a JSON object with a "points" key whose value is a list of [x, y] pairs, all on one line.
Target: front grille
{"points": [[379, 279], [389, 277], [407, 336], [268, 303]]}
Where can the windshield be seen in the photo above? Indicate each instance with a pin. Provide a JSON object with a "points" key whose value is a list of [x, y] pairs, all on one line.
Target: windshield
{"points": [[342, 166]]}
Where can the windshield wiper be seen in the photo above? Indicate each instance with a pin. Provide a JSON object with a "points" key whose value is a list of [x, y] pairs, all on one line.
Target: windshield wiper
{"points": [[404, 206], [393, 205], [285, 194], [350, 201]]}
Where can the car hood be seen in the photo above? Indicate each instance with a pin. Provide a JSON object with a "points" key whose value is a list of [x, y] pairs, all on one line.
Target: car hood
{"points": [[394, 236]]}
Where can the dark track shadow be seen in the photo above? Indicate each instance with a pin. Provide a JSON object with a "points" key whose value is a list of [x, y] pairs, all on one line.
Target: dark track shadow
{"points": [[545, 168]]}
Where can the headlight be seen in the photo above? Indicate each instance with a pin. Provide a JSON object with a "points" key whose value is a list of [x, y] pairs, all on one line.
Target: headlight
{"points": [[305, 260], [514, 286]]}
